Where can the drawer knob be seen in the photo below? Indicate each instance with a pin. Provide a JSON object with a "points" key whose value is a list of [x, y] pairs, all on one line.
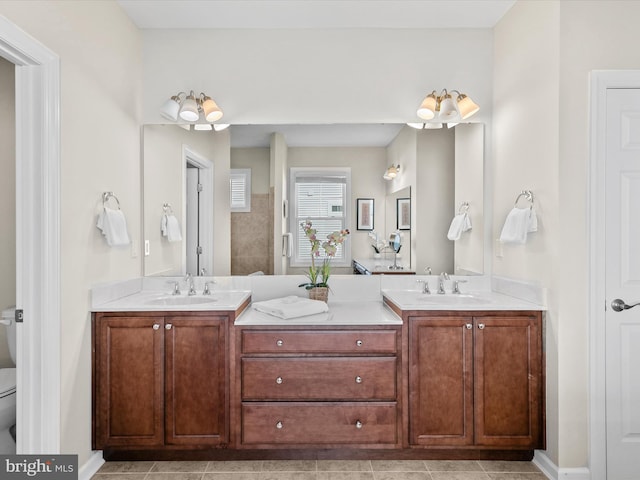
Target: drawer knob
{"points": [[481, 326], [279, 380], [358, 379], [358, 424], [469, 326], [279, 425], [168, 326], [359, 343], [279, 343], [156, 326]]}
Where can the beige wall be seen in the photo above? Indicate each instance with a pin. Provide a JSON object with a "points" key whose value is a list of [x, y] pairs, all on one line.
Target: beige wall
{"points": [[7, 199], [100, 53], [526, 156], [434, 189], [257, 159]]}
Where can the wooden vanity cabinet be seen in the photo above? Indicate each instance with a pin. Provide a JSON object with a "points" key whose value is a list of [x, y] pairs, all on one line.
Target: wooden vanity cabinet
{"points": [[159, 380], [476, 380], [302, 387]]}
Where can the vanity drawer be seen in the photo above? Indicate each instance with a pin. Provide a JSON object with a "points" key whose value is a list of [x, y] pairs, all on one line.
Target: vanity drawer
{"points": [[319, 423], [324, 341], [352, 378]]}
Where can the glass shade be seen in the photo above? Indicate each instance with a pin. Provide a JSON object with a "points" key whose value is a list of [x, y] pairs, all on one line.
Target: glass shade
{"points": [[211, 110], [218, 127], [466, 106], [447, 107], [202, 126], [432, 126], [189, 110], [170, 109], [427, 108]]}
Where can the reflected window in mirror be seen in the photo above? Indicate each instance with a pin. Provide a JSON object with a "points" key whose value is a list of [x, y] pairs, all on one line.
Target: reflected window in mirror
{"points": [[321, 195], [240, 189]]}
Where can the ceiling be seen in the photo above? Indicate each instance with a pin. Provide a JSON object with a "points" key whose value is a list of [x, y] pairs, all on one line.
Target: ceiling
{"points": [[316, 13]]}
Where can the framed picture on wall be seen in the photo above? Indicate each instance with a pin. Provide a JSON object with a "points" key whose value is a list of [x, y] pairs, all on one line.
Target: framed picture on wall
{"points": [[403, 212], [365, 214]]}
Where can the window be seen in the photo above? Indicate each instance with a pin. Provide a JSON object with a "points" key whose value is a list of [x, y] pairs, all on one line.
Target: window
{"points": [[322, 196], [240, 188]]}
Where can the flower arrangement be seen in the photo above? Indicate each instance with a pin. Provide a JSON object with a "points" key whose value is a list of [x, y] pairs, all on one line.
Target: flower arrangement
{"points": [[319, 275]]}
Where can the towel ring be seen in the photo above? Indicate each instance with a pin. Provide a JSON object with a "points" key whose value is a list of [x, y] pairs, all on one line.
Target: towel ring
{"points": [[528, 194], [167, 208], [464, 208], [106, 196]]}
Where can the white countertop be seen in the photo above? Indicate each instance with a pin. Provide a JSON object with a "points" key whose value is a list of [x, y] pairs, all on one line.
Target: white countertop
{"points": [[381, 265], [340, 313], [468, 301], [150, 301]]}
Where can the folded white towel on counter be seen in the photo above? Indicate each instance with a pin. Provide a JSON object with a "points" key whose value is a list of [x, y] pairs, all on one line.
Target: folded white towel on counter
{"points": [[519, 223], [291, 307], [460, 224], [171, 228], [113, 226]]}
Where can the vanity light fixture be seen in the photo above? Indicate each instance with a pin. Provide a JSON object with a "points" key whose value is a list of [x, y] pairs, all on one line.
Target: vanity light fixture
{"points": [[391, 172], [191, 108], [445, 107]]}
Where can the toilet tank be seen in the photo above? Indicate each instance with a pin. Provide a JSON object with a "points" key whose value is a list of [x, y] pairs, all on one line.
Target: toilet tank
{"points": [[9, 319]]}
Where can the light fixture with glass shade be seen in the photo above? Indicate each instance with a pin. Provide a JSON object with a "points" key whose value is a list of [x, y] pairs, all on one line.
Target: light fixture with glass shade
{"points": [[445, 108], [191, 108], [391, 172]]}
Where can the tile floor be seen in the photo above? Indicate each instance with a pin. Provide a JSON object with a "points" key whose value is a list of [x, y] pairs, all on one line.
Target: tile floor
{"points": [[321, 470]]}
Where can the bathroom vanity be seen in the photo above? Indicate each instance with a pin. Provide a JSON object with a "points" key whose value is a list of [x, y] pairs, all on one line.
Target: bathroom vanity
{"points": [[406, 376]]}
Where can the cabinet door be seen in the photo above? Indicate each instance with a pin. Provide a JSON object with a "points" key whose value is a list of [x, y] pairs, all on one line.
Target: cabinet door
{"points": [[440, 376], [195, 380], [129, 381], [508, 383]]}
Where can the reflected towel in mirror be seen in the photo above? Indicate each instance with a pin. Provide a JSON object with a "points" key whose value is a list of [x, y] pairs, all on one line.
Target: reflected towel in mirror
{"points": [[519, 223], [291, 307], [113, 225], [460, 224], [171, 228]]}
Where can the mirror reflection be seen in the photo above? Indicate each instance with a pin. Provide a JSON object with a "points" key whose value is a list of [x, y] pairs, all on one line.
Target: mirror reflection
{"points": [[248, 231]]}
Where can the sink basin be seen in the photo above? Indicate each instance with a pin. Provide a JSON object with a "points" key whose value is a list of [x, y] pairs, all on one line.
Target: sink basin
{"points": [[182, 300], [451, 299], [412, 297]]}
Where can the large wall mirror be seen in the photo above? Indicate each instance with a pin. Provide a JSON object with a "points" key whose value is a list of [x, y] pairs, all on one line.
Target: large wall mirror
{"points": [[440, 173]]}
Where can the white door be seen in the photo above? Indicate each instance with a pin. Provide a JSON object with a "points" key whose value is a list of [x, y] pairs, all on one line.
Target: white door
{"points": [[193, 220], [622, 176]]}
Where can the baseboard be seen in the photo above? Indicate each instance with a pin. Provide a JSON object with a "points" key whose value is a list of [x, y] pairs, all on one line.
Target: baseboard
{"points": [[91, 466], [553, 472]]}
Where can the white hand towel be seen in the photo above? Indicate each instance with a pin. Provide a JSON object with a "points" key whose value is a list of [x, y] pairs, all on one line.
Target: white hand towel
{"points": [[113, 225], [519, 222], [291, 307], [460, 224], [171, 228]]}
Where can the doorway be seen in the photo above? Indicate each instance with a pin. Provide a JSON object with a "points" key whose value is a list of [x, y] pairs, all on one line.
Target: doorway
{"points": [[37, 81]]}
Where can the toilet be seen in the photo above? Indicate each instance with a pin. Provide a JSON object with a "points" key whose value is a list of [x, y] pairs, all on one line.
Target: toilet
{"points": [[8, 387]]}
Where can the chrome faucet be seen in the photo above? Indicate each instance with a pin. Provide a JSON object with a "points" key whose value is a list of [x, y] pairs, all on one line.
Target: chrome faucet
{"points": [[176, 288], [456, 286], [189, 279], [443, 276], [425, 286]]}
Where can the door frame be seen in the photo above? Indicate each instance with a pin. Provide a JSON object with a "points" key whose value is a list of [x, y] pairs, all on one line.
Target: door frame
{"points": [[38, 276], [207, 225], [600, 82]]}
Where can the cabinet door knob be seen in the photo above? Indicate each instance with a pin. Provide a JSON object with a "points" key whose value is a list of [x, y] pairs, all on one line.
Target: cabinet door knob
{"points": [[469, 326], [359, 343], [358, 379], [481, 326], [279, 425], [156, 326], [279, 343], [168, 326], [279, 380], [358, 424]]}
